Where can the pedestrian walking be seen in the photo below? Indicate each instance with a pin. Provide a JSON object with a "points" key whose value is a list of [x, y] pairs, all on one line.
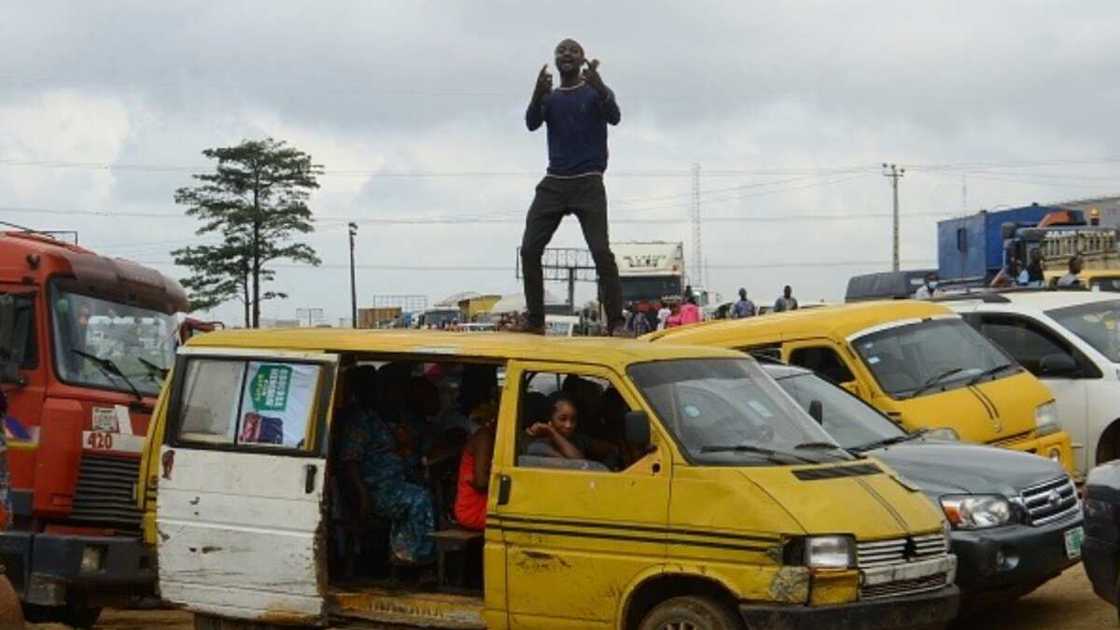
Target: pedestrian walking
{"points": [[577, 114], [690, 313], [744, 307], [929, 289], [1035, 273], [787, 302], [663, 314], [1072, 279]]}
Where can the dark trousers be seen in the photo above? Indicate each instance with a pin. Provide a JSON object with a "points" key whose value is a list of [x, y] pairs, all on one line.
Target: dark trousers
{"points": [[586, 198]]}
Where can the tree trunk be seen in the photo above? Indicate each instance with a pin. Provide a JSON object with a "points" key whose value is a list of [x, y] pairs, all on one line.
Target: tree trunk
{"points": [[245, 292], [257, 250]]}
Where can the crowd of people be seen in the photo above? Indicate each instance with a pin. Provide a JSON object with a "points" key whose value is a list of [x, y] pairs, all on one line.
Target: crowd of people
{"points": [[673, 311], [1014, 274]]}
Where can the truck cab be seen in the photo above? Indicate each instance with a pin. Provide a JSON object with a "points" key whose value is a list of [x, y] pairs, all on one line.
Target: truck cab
{"points": [[84, 340]]}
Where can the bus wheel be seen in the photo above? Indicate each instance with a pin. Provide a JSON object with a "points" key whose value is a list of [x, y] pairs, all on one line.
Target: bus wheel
{"points": [[690, 613]]}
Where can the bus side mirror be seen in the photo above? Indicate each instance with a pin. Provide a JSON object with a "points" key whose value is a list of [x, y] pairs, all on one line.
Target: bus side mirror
{"points": [[816, 410], [637, 428]]}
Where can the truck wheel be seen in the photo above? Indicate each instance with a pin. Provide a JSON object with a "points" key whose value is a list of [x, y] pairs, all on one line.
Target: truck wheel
{"points": [[690, 613]]}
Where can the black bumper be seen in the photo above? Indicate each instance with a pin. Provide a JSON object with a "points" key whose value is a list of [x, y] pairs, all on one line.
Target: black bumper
{"points": [[877, 614], [44, 567], [1011, 558]]}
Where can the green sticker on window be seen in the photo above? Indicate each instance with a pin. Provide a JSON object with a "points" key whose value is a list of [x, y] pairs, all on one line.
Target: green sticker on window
{"points": [[269, 390]]}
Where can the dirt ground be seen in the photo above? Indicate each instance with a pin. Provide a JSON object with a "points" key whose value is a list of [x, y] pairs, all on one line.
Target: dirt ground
{"points": [[1067, 603]]}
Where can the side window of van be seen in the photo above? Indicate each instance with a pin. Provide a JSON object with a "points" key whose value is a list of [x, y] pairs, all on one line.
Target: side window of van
{"points": [[824, 361], [1026, 341], [236, 402], [770, 352], [573, 421]]}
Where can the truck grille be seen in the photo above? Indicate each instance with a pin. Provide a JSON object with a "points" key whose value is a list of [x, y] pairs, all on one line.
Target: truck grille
{"points": [[903, 587], [878, 553], [1052, 501], [104, 493]]}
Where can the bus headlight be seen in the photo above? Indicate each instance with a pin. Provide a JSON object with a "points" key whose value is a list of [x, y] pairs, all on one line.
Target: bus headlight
{"points": [[1046, 418], [830, 552]]}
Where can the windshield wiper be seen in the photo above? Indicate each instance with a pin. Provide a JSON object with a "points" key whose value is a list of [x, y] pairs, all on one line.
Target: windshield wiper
{"points": [[770, 454], [990, 372], [897, 439], [819, 446], [153, 369], [108, 367], [935, 380]]}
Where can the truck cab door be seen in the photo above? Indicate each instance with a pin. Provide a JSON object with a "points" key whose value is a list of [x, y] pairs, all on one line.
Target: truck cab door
{"points": [[241, 484]]}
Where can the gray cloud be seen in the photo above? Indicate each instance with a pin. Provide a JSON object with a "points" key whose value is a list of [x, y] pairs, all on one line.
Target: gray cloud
{"points": [[429, 87]]}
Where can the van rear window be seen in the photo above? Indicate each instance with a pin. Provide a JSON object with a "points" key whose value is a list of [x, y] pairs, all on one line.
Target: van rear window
{"points": [[247, 403]]}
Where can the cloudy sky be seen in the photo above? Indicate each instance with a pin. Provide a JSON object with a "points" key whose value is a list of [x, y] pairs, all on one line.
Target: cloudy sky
{"points": [[415, 109]]}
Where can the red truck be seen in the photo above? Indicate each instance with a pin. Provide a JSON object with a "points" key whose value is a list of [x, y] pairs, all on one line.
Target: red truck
{"points": [[85, 341]]}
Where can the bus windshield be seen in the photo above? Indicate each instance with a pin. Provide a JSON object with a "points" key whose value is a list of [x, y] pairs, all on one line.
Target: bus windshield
{"points": [[108, 345], [929, 356], [1097, 323], [729, 412]]}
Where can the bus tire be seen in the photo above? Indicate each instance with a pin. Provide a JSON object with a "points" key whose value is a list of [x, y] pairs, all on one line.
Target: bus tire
{"points": [[698, 613]]}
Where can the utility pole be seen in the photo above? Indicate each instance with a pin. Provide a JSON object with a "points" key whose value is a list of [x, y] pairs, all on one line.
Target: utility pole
{"points": [[697, 276], [894, 173], [353, 283]]}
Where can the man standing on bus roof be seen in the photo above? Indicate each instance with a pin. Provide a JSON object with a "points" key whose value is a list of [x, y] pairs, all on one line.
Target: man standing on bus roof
{"points": [[577, 114]]}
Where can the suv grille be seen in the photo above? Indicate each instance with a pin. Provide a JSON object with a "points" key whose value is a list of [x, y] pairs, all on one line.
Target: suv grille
{"points": [[878, 553], [104, 493], [1052, 501]]}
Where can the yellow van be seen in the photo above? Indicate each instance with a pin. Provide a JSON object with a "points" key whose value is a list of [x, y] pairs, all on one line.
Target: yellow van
{"points": [[918, 362], [719, 502]]}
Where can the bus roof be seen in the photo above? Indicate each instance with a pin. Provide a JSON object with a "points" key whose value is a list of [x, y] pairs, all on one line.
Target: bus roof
{"points": [[838, 321], [499, 345]]}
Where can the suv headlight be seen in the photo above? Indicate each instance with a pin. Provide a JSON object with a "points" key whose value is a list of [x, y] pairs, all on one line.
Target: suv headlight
{"points": [[830, 552], [976, 511], [1046, 418]]}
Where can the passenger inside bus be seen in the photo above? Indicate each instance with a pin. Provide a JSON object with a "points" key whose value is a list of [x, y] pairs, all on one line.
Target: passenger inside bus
{"points": [[556, 436], [474, 471], [375, 455]]}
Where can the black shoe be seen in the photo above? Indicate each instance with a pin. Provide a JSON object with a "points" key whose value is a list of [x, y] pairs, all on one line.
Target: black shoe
{"points": [[529, 329], [620, 330]]}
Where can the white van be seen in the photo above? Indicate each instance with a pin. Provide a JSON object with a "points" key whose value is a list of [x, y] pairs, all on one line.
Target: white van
{"points": [[1070, 340]]}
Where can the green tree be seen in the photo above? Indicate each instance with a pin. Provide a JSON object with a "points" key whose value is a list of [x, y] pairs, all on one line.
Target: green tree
{"points": [[256, 201]]}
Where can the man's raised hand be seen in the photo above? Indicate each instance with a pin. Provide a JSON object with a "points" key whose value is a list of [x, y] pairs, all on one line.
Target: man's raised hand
{"points": [[591, 75], [544, 82]]}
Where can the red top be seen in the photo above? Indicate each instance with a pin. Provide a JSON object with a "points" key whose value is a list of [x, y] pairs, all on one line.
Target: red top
{"points": [[470, 504], [690, 314]]}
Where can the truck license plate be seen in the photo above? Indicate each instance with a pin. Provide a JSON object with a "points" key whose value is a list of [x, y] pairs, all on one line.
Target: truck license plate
{"points": [[1074, 538]]}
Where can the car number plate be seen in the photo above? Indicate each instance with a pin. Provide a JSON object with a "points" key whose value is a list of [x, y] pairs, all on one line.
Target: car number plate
{"points": [[1074, 538]]}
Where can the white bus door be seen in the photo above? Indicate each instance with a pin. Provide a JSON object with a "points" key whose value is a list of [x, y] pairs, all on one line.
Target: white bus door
{"points": [[241, 484]]}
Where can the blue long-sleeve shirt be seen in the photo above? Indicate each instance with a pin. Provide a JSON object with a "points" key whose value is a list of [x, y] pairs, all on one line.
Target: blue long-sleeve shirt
{"points": [[577, 119]]}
